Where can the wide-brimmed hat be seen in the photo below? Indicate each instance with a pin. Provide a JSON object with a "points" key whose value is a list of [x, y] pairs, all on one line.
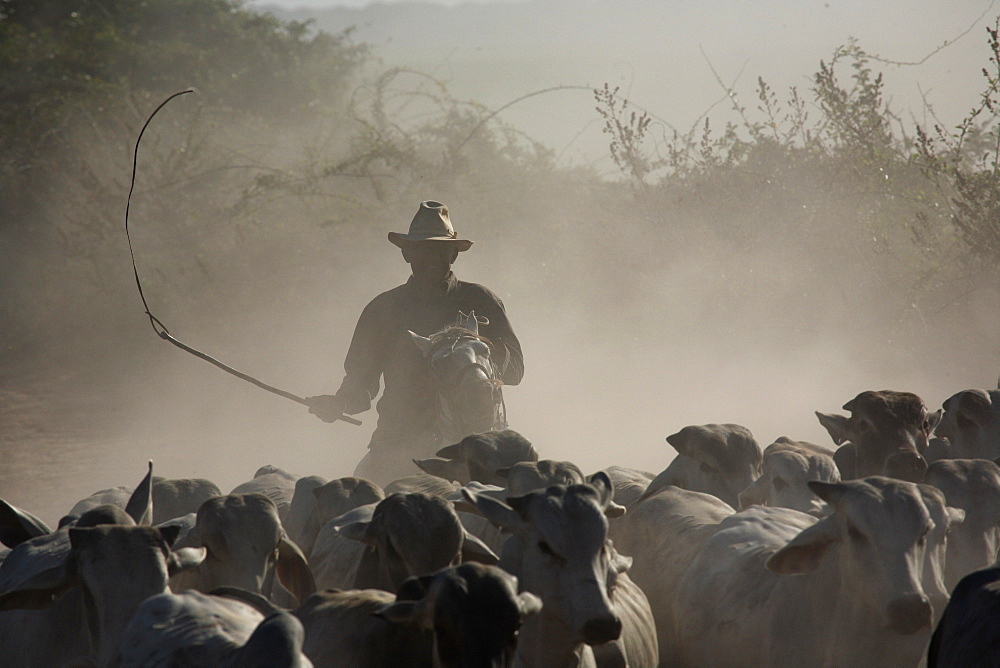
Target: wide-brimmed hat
{"points": [[431, 223]]}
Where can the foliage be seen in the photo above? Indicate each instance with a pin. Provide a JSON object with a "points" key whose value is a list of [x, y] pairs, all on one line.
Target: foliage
{"points": [[901, 225], [77, 79], [964, 163], [627, 134]]}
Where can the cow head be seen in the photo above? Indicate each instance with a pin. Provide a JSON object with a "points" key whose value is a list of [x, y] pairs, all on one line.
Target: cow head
{"points": [[886, 434], [411, 534], [474, 611], [246, 546], [561, 553], [971, 423]]}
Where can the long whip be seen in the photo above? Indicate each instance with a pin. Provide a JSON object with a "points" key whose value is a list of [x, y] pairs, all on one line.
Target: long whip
{"points": [[161, 329]]}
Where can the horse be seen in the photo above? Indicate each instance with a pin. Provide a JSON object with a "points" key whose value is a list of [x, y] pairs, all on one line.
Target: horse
{"points": [[467, 382], [468, 387]]}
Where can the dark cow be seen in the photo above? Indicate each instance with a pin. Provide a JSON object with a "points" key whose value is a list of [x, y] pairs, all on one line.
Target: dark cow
{"points": [[465, 616], [971, 424], [886, 434], [969, 631]]}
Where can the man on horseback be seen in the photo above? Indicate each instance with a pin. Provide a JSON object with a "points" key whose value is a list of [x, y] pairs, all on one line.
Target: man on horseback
{"points": [[382, 347]]}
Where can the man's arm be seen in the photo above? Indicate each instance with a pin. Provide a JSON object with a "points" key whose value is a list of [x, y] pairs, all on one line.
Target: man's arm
{"points": [[506, 351], [363, 363], [363, 367]]}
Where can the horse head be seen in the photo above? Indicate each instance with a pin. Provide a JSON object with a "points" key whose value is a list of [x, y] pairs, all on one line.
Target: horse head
{"points": [[468, 383]]}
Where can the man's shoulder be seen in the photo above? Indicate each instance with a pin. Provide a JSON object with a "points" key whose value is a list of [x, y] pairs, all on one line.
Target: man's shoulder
{"points": [[390, 295], [386, 300], [476, 290]]}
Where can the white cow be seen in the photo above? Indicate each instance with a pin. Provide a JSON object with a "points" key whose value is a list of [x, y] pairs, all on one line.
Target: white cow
{"points": [[629, 483], [971, 423], [381, 544], [302, 521], [106, 572], [788, 467], [334, 559], [662, 534], [479, 456], [560, 551], [776, 587], [273, 482], [195, 630], [974, 486], [717, 459], [247, 548]]}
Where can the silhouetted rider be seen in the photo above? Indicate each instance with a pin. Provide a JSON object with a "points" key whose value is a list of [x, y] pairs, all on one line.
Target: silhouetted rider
{"points": [[382, 348]]}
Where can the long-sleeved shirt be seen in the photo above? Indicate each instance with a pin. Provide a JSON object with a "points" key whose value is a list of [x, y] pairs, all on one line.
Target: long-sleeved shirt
{"points": [[382, 348]]}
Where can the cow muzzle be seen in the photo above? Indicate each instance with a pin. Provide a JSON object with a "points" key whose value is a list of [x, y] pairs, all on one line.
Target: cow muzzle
{"points": [[906, 465], [600, 630], [908, 614]]}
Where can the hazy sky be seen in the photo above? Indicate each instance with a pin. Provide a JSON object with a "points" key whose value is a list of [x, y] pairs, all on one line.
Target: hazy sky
{"points": [[669, 57]]}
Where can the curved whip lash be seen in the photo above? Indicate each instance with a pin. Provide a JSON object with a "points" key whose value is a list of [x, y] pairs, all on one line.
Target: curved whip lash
{"points": [[161, 329]]}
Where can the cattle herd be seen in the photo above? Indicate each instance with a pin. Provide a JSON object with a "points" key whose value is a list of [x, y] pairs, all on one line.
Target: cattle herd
{"points": [[878, 551]]}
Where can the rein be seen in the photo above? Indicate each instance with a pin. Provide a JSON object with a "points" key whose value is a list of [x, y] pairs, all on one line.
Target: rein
{"points": [[158, 326]]}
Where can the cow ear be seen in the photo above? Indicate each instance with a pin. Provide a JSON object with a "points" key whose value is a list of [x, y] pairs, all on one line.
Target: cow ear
{"points": [[40, 591], [422, 343], [408, 613], [440, 468], [184, 559], [497, 512], [838, 426], [803, 553], [474, 549], [169, 533], [831, 492], [453, 451], [140, 504], [934, 419], [619, 562], [52, 574], [293, 570], [17, 526], [605, 489], [357, 531], [414, 587], [955, 516], [614, 510], [528, 603], [187, 531]]}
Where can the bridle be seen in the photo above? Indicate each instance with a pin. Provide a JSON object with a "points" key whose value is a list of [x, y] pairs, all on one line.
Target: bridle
{"points": [[448, 412]]}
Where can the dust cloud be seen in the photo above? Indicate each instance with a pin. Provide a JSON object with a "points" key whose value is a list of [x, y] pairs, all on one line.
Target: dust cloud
{"points": [[630, 332]]}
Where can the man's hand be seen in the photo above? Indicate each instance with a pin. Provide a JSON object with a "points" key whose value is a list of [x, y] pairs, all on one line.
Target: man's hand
{"points": [[327, 407]]}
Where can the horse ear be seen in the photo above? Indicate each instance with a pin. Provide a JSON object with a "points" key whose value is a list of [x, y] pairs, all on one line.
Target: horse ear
{"points": [[422, 342], [472, 324]]}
